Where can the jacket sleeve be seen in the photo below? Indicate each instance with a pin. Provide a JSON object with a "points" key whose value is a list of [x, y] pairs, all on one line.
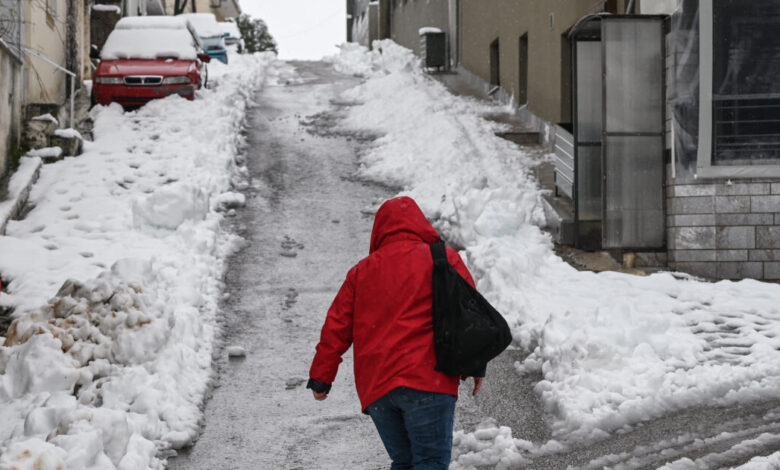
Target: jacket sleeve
{"points": [[336, 335], [454, 258]]}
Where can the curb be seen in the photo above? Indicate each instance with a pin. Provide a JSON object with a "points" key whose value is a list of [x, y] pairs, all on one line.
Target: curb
{"points": [[19, 187]]}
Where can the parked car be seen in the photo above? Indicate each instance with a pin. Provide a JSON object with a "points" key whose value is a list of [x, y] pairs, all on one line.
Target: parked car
{"points": [[211, 35], [232, 35], [148, 57]]}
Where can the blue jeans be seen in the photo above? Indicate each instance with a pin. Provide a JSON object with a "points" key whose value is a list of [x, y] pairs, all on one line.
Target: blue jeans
{"points": [[415, 427]]}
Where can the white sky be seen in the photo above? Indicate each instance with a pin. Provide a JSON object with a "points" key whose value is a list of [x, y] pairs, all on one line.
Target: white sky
{"points": [[303, 29]]}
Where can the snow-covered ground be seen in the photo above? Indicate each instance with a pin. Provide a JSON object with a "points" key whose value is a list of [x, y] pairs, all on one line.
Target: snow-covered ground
{"points": [[114, 276], [614, 349]]}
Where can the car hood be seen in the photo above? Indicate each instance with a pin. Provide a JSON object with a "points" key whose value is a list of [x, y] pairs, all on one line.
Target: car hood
{"points": [[145, 67]]}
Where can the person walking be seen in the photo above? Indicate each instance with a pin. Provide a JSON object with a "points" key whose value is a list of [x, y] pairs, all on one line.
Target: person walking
{"points": [[384, 309]]}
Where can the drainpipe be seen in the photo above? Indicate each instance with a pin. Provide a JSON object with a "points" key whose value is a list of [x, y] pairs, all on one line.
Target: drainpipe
{"points": [[62, 69]]}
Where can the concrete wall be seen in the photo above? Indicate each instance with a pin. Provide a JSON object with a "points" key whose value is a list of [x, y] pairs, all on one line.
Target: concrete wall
{"points": [[46, 32], [545, 22], [10, 112], [408, 16]]}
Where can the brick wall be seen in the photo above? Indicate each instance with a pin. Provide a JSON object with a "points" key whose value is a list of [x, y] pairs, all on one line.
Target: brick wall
{"points": [[724, 229]]}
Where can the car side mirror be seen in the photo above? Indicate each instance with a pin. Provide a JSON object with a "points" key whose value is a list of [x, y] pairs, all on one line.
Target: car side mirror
{"points": [[204, 57], [94, 52]]}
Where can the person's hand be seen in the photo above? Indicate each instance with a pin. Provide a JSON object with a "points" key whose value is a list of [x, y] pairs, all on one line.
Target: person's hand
{"points": [[319, 396], [477, 385]]}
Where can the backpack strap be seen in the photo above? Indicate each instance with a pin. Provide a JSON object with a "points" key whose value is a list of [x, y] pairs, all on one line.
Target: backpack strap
{"points": [[439, 253]]}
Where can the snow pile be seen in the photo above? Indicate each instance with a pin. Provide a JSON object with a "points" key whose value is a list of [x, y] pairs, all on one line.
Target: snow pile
{"points": [[114, 276], [490, 445], [68, 133], [385, 57], [614, 349], [45, 152], [46, 117], [170, 206], [151, 22], [428, 30], [111, 8], [769, 462]]}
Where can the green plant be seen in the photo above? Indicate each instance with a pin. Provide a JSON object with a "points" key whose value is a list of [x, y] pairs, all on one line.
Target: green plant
{"points": [[255, 34]]}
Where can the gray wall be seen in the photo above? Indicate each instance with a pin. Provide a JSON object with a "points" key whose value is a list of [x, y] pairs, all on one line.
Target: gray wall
{"points": [[408, 16], [11, 110]]}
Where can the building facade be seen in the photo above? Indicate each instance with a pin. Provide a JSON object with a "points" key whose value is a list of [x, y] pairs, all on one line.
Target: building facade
{"points": [[221, 9], [663, 114]]}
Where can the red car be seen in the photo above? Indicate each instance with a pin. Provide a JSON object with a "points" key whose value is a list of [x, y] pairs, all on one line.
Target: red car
{"points": [[148, 57]]}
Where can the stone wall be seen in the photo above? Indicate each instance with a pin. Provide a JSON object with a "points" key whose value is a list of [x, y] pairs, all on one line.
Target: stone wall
{"points": [[724, 229]]}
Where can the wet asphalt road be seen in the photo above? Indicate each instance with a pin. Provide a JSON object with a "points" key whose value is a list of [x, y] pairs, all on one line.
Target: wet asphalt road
{"points": [[306, 222]]}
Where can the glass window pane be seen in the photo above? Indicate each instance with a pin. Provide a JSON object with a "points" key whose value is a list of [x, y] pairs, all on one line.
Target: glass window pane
{"points": [[746, 81], [634, 75], [634, 216]]}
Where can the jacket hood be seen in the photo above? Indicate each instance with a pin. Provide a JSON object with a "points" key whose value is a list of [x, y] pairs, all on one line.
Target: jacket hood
{"points": [[401, 219]]}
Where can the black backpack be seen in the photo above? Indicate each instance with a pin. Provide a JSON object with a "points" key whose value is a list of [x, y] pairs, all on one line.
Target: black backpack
{"points": [[467, 331]]}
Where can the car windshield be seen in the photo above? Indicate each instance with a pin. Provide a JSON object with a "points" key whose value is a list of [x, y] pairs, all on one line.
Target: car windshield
{"points": [[214, 42], [149, 44]]}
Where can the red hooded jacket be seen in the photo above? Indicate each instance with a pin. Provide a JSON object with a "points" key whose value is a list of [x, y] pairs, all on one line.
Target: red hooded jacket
{"points": [[384, 308]]}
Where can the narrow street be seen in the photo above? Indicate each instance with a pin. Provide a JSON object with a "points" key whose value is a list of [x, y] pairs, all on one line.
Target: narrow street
{"points": [[307, 220], [305, 224]]}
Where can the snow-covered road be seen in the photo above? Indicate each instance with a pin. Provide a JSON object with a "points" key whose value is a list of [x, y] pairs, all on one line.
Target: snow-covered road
{"points": [[608, 370], [305, 225]]}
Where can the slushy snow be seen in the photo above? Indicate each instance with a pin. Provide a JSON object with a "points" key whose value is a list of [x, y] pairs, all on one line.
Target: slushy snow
{"points": [[114, 277], [614, 349]]}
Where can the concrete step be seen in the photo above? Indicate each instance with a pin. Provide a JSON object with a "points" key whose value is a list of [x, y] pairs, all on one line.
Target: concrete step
{"points": [[559, 214], [521, 137]]}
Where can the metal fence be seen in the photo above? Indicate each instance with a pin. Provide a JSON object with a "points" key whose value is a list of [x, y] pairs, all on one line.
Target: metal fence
{"points": [[11, 25]]}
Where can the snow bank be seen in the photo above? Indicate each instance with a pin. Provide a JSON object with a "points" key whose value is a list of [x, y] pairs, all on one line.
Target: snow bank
{"points": [[614, 349], [114, 276]]}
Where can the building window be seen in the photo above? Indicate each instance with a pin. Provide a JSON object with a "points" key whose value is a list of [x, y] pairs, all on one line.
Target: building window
{"points": [[739, 88], [746, 81], [51, 7], [495, 68], [522, 73]]}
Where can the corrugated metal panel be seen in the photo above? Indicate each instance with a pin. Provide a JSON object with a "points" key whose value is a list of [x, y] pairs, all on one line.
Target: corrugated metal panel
{"points": [[589, 128], [564, 161], [632, 157]]}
